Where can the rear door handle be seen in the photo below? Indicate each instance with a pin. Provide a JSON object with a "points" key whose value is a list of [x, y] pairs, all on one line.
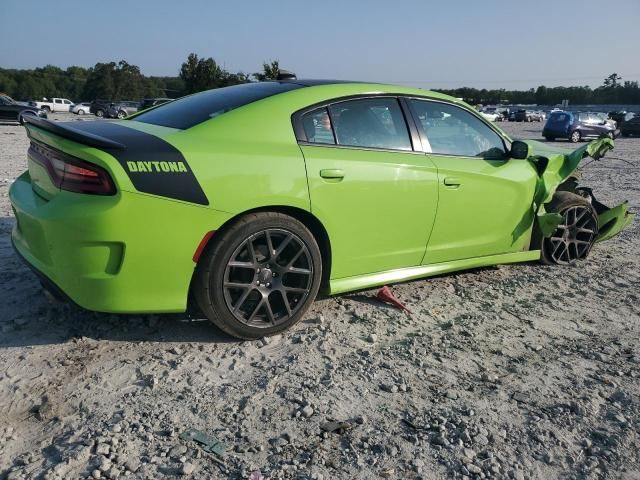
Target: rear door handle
{"points": [[452, 181], [332, 173]]}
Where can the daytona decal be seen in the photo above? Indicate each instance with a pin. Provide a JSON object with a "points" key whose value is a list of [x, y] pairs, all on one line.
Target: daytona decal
{"points": [[156, 167], [153, 165]]}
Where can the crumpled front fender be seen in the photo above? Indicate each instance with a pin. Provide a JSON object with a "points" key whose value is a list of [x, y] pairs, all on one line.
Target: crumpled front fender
{"points": [[613, 220], [554, 168]]}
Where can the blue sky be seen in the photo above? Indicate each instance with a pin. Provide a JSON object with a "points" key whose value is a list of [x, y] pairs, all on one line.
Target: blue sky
{"points": [[438, 44]]}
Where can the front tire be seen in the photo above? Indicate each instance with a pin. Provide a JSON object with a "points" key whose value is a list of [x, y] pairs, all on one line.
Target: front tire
{"points": [[258, 277], [100, 113], [23, 115], [573, 238]]}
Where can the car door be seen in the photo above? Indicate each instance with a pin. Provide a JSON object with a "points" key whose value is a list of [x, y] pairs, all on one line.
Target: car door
{"points": [[485, 198], [376, 196]]}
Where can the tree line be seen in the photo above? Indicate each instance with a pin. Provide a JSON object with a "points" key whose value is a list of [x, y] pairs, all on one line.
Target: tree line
{"points": [[612, 91], [122, 80]]}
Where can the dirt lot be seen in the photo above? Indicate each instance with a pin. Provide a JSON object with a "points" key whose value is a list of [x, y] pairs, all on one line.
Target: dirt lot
{"points": [[522, 371]]}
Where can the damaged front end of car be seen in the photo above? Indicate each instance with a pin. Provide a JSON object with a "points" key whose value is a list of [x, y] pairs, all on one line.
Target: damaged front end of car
{"points": [[555, 173]]}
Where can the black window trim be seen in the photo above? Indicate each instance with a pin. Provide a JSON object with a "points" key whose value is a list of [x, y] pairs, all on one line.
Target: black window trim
{"points": [[420, 144]]}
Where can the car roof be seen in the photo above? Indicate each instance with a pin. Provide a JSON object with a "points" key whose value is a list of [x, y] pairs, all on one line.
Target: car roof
{"points": [[367, 87]]}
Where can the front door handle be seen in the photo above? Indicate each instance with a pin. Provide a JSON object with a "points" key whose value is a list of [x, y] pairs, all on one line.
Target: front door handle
{"points": [[452, 181], [332, 173]]}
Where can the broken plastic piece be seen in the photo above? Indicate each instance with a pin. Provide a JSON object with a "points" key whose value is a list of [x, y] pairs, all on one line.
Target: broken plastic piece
{"points": [[386, 295], [208, 443]]}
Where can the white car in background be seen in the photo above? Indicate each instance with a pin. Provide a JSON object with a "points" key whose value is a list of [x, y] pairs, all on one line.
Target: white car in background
{"points": [[55, 105], [81, 108], [491, 115]]}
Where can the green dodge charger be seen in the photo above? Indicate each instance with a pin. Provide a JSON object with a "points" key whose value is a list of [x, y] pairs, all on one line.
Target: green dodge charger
{"points": [[246, 201]]}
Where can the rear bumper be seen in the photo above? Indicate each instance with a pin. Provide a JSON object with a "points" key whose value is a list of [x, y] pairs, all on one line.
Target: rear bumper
{"points": [[128, 253]]}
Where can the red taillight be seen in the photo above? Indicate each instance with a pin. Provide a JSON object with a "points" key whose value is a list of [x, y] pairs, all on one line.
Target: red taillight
{"points": [[72, 174]]}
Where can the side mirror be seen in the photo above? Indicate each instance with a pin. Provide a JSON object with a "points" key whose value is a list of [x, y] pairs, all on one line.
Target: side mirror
{"points": [[520, 150]]}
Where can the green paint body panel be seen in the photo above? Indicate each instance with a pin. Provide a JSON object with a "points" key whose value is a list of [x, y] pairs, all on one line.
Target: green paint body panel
{"points": [[389, 216], [372, 213], [466, 225], [123, 253], [412, 273]]}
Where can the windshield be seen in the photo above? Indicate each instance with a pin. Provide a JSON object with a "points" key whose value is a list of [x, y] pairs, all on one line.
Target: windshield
{"points": [[194, 109]]}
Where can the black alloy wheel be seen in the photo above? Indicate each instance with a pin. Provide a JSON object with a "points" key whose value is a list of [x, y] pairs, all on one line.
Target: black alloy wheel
{"points": [[267, 278], [577, 232], [258, 276]]}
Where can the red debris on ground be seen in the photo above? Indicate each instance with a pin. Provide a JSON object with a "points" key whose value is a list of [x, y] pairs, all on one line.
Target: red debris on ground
{"points": [[386, 295]]}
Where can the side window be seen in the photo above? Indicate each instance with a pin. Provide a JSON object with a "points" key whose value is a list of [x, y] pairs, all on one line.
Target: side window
{"points": [[371, 123], [57, 100], [317, 127], [66, 102], [452, 130]]}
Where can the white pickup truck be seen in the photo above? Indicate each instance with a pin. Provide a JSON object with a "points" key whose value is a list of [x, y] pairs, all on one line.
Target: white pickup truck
{"points": [[55, 105]]}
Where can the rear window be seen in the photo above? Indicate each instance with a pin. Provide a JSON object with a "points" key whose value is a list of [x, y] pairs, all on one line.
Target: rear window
{"points": [[194, 109], [558, 117]]}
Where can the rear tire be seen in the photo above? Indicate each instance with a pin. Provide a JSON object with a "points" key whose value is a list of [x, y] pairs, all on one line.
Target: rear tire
{"points": [[575, 136], [80, 112], [258, 277], [100, 113], [46, 109], [576, 234]]}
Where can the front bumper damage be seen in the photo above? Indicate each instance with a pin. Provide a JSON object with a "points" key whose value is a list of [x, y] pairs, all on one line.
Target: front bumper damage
{"points": [[555, 170]]}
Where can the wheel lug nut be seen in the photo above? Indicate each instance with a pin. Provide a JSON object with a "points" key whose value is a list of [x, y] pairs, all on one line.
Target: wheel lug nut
{"points": [[258, 270], [268, 284]]}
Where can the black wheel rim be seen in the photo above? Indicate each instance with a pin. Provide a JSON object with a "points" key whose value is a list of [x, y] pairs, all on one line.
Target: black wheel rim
{"points": [[574, 237], [268, 278]]}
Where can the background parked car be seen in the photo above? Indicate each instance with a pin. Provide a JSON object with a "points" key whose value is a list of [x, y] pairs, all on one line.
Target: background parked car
{"points": [[11, 110], [55, 105], [81, 108], [491, 113], [577, 126], [631, 124], [523, 115], [152, 102], [122, 109], [511, 113], [99, 107]]}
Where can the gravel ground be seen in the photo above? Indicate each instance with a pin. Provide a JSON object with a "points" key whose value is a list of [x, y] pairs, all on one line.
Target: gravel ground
{"points": [[521, 371]]}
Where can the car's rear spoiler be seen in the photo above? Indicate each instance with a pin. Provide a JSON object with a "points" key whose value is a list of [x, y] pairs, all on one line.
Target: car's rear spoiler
{"points": [[64, 130]]}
